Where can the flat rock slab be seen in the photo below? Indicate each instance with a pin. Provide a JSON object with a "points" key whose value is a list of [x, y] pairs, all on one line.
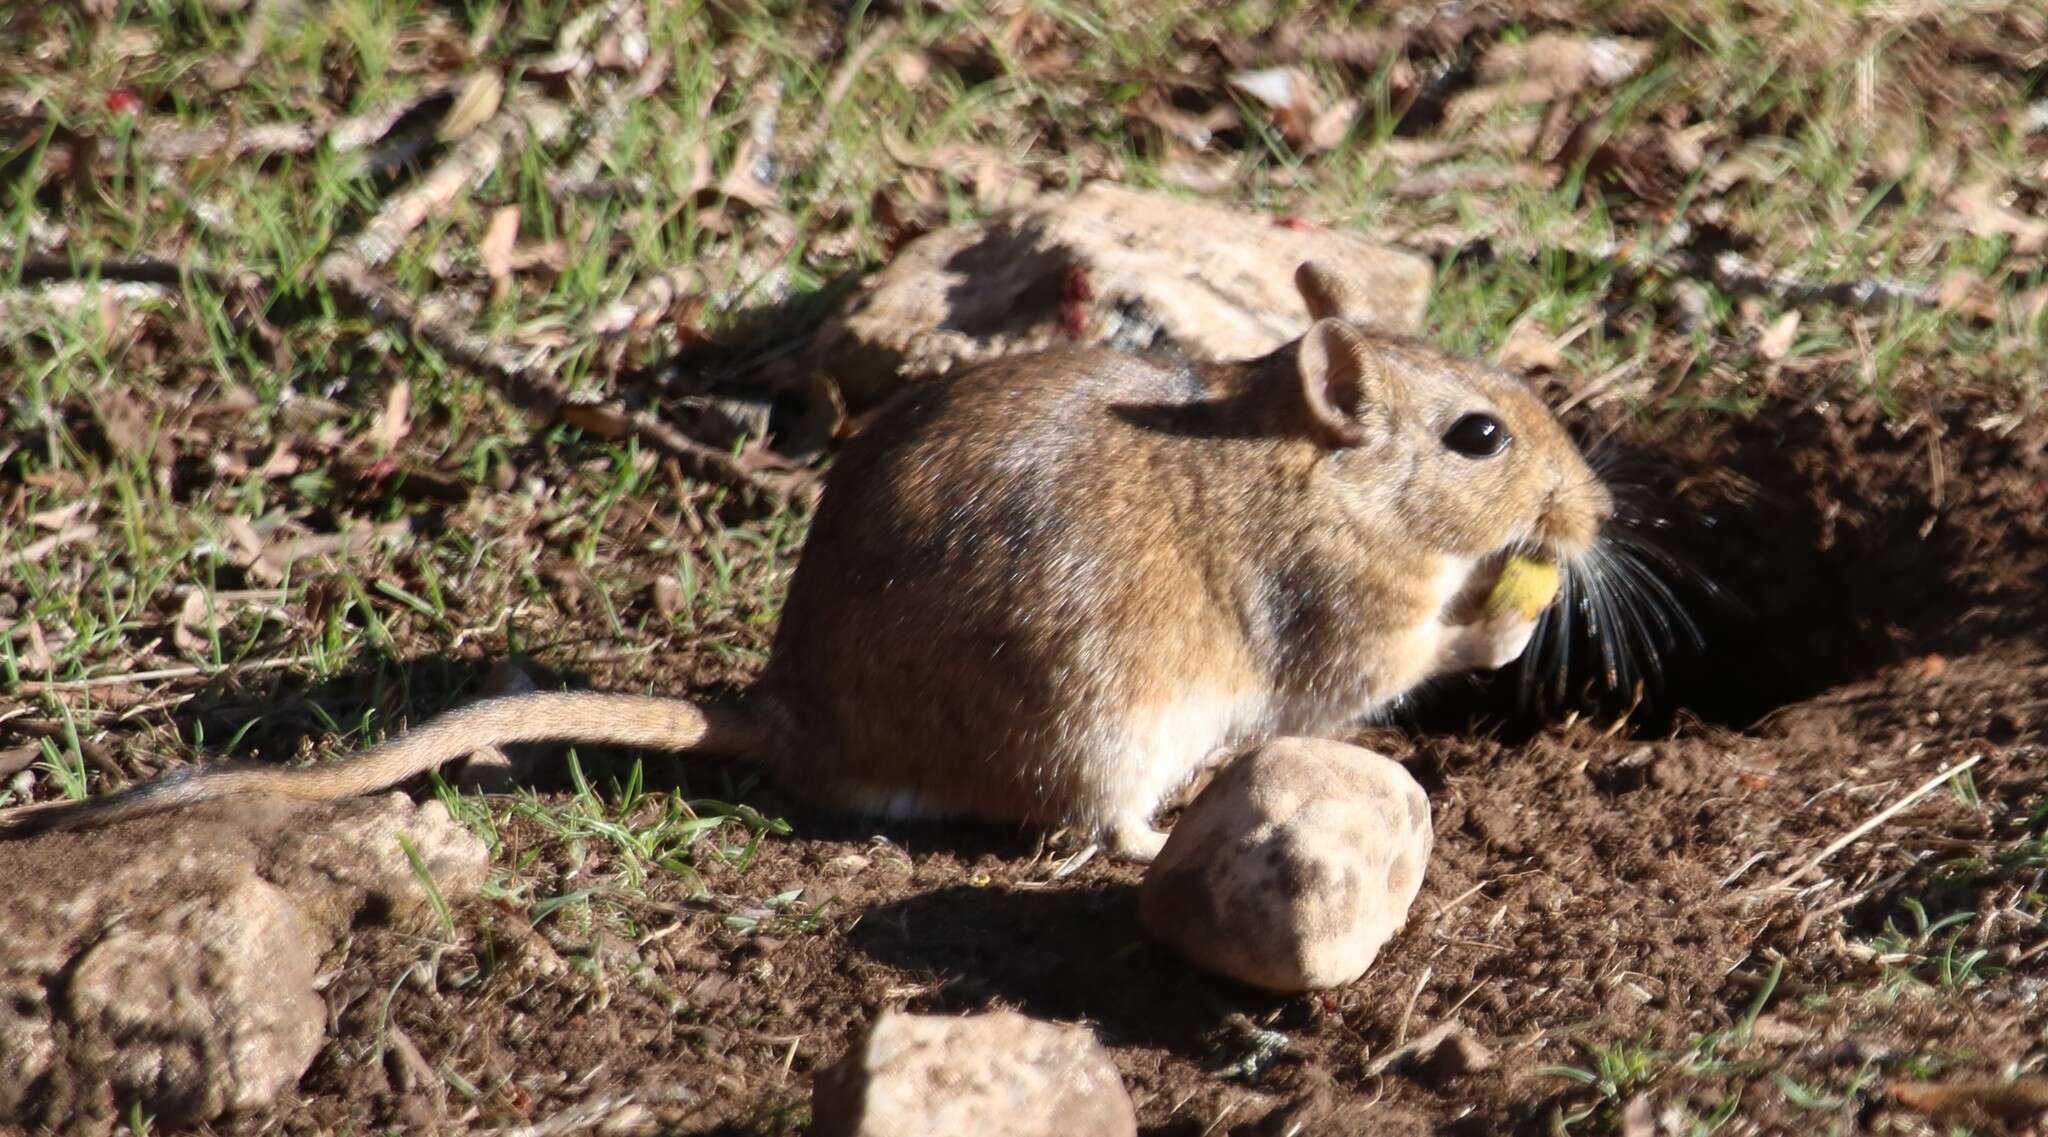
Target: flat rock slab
{"points": [[1293, 867], [1112, 266], [168, 963], [997, 1074]]}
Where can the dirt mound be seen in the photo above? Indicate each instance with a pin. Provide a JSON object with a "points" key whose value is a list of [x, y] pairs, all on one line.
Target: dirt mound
{"points": [[1589, 884], [178, 976]]}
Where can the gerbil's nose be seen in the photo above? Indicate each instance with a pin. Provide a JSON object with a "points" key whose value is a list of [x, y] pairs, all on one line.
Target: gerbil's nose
{"points": [[1603, 502], [1576, 512]]}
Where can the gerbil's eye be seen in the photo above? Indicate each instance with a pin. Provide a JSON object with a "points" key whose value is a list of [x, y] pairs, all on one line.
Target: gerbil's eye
{"points": [[1478, 436]]}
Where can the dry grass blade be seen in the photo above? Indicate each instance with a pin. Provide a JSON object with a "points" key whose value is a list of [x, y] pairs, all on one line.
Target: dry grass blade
{"points": [[40, 687], [1875, 820], [36, 550], [601, 1111]]}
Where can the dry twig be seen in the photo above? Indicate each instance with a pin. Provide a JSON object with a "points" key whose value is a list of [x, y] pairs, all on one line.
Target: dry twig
{"points": [[1727, 270], [469, 161], [532, 391]]}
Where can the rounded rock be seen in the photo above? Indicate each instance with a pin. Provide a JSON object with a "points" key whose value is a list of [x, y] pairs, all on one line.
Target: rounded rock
{"points": [[1294, 867]]}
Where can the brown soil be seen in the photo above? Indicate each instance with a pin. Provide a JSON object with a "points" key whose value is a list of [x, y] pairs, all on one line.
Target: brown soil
{"points": [[1589, 883]]}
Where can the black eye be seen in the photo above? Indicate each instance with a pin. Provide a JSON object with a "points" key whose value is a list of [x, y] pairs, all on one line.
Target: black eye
{"points": [[1478, 436]]}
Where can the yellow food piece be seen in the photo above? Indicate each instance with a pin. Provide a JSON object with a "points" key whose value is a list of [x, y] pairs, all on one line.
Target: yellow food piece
{"points": [[1526, 587]]}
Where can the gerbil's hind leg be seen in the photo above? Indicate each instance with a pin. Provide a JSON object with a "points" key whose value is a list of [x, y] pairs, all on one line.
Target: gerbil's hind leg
{"points": [[1159, 779]]}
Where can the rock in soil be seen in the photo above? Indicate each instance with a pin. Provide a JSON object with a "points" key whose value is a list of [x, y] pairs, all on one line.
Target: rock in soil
{"points": [[1295, 865], [1111, 266], [168, 963], [997, 1074]]}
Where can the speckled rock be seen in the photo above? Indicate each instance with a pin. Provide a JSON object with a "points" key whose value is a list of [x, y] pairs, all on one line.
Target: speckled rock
{"points": [[998, 1074], [1294, 867]]}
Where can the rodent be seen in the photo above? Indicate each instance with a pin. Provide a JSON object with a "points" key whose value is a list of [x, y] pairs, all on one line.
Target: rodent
{"points": [[1052, 588]]}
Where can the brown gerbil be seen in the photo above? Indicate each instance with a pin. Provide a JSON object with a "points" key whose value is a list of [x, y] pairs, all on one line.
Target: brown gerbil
{"points": [[1053, 588]]}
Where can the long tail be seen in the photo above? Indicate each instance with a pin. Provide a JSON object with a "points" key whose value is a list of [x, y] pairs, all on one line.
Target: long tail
{"points": [[593, 718]]}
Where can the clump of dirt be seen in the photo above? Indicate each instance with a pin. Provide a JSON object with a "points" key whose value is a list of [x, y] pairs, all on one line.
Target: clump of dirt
{"points": [[1592, 881]]}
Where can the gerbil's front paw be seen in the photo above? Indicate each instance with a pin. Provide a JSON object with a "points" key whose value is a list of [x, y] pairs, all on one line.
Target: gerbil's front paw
{"points": [[1491, 643], [1136, 841]]}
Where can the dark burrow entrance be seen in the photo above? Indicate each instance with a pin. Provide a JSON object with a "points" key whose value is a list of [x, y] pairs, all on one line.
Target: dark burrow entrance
{"points": [[1809, 545]]}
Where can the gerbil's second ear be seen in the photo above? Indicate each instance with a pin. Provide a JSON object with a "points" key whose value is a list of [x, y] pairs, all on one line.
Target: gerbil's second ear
{"points": [[1346, 389], [1329, 294]]}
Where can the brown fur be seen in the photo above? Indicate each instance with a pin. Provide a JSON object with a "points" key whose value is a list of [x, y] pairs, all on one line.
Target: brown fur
{"points": [[1052, 588]]}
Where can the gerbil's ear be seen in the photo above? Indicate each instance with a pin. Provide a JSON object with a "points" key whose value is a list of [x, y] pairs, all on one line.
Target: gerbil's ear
{"points": [[1329, 294], [1346, 388]]}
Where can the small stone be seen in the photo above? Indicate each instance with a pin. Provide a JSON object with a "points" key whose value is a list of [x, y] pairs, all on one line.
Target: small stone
{"points": [[1457, 1055], [1859, 1052], [998, 1074], [1294, 866]]}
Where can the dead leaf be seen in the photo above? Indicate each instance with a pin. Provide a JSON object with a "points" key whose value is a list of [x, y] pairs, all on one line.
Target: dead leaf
{"points": [[57, 518], [1330, 127], [2028, 305], [746, 182], [35, 551], [130, 428], [394, 422], [1203, 175], [1985, 215], [13, 761], [37, 657], [995, 181], [602, 420], [645, 304], [1405, 154], [623, 49], [1280, 89], [1546, 67], [1191, 130], [474, 105], [191, 632], [1776, 341], [1638, 1118], [1773, 1030], [1530, 348], [1037, 42], [1686, 149], [911, 67], [282, 463], [1297, 108], [1564, 61], [347, 543], [495, 249], [248, 543]]}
